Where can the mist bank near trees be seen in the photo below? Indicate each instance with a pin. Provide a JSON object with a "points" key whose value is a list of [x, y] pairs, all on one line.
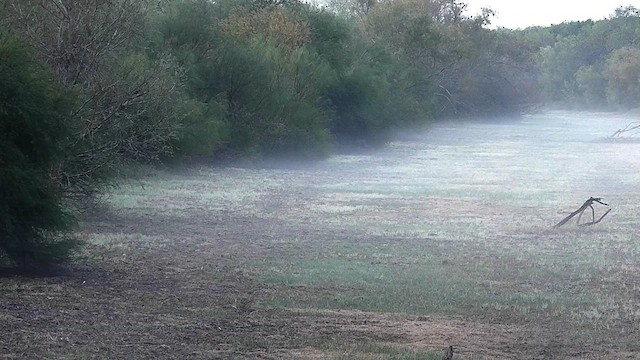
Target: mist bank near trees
{"points": [[91, 87]]}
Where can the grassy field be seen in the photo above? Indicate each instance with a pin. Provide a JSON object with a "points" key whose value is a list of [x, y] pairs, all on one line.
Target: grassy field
{"points": [[442, 238]]}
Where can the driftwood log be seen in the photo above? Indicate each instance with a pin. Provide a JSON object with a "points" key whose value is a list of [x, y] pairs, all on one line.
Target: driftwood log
{"points": [[587, 205]]}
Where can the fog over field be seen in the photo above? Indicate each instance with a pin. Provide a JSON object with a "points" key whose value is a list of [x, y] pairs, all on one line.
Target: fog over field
{"points": [[443, 237]]}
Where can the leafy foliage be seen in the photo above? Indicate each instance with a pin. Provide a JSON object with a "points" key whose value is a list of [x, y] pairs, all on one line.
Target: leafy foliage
{"points": [[582, 63], [125, 110], [622, 71], [31, 111]]}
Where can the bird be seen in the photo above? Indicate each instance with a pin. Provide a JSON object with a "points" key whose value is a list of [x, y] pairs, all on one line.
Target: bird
{"points": [[448, 353]]}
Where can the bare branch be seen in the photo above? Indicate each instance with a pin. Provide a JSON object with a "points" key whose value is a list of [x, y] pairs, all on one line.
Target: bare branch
{"points": [[629, 129], [596, 221], [587, 204]]}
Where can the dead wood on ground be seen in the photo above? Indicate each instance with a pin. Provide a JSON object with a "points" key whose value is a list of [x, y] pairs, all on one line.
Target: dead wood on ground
{"points": [[587, 205], [630, 130]]}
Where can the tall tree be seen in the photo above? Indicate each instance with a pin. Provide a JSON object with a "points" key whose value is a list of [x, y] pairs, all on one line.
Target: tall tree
{"points": [[622, 71]]}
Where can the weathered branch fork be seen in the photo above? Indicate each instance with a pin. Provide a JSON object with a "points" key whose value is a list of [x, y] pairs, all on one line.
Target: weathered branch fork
{"points": [[631, 129], [587, 205]]}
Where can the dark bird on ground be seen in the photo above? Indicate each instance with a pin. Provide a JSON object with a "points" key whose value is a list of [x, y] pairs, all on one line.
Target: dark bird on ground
{"points": [[448, 353]]}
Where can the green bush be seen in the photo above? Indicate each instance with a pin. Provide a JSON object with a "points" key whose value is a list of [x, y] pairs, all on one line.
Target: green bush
{"points": [[32, 113]]}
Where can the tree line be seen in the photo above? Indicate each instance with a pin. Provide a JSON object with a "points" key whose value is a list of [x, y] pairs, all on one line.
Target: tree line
{"points": [[590, 64], [89, 88]]}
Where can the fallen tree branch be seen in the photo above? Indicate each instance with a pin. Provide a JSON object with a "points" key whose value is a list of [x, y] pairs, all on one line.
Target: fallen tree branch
{"points": [[587, 204], [593, 214], [596, 221], [627, 130]]}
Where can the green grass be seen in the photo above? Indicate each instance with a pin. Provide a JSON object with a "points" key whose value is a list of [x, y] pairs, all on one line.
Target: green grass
{"points": [[416, 279], [367, 351]]}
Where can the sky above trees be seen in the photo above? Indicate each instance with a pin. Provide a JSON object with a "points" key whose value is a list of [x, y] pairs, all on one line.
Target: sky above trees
{"points": [[523, 13]]}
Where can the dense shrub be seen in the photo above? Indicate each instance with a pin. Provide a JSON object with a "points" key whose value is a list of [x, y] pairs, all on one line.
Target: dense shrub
{"points": [[32, 117]]}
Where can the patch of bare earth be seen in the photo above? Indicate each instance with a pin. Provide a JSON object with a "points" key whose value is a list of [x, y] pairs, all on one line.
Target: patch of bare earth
{"points": [[472, 339], [187, 298]]}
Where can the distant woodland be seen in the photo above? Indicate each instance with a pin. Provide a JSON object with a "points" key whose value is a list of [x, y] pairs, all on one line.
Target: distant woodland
{"points": [[90, 88]]}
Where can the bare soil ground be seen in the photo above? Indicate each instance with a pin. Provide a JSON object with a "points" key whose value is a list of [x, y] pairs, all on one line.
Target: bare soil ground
{"points": [[224, 263]]}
